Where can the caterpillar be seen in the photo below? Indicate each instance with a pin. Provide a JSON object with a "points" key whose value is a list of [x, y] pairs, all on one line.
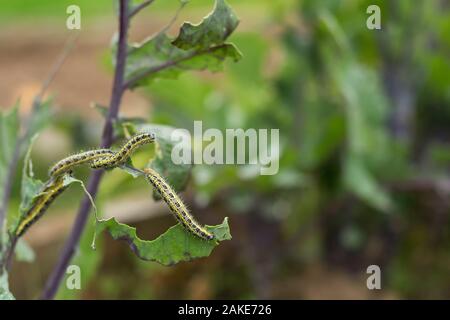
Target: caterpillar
{"points": [[68, 163], [53, 188], [176, 206], [124, 153]]}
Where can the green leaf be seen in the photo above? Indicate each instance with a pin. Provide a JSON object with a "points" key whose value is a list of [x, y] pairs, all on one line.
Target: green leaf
{"points": [[366, 113], [177, 175], [24, 252], [175, 245], [5, 294], [30, 187], [158, 58], [197, 47], [213, 30], [9, 131], [40, 118], [359, 180]]}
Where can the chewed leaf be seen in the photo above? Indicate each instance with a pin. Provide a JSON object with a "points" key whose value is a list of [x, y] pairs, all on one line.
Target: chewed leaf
{"points": [[213, 30], [197, 47], [159, 58], [174, 246]]}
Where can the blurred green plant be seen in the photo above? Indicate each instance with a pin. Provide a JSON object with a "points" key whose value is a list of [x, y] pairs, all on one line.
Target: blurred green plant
{"points": [[347, 157]]}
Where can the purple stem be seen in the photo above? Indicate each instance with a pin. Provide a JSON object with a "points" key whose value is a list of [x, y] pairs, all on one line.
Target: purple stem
{"points": [[118, 89], [140, 7]]}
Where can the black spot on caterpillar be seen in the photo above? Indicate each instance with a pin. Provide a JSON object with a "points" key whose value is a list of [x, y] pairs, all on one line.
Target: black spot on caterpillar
{"points": [[53, 189], [68, 163], [177, 206], [121, 156]]}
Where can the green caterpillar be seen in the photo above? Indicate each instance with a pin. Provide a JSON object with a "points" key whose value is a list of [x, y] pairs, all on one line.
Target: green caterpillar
{"points": [[177, 206], [67, 164], [121, 156], [99, 158], [53, 189]]}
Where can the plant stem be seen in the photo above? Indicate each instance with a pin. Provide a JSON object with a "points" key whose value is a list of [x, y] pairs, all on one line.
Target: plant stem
{"points": [[71, 244], [140, 7]]}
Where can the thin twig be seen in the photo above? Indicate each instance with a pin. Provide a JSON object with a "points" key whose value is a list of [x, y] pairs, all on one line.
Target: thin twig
{"points": [[71, 244], [163, 30], [68, 46], [174, 18], [12, 167], [139, 7]]}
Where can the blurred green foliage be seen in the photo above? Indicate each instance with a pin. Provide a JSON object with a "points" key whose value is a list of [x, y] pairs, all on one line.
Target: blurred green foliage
{"points": [[335, 94], [90, 10]]}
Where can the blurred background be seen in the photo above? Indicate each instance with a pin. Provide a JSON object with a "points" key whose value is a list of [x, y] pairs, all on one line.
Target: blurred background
{"points": [[365, 149]]}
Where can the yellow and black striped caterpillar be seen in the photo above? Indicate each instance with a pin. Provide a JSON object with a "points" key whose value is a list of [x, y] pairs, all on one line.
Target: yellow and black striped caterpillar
{"points": [[121, 156], [177, 206], [99, 158], [67, 164], [53, 189]]}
